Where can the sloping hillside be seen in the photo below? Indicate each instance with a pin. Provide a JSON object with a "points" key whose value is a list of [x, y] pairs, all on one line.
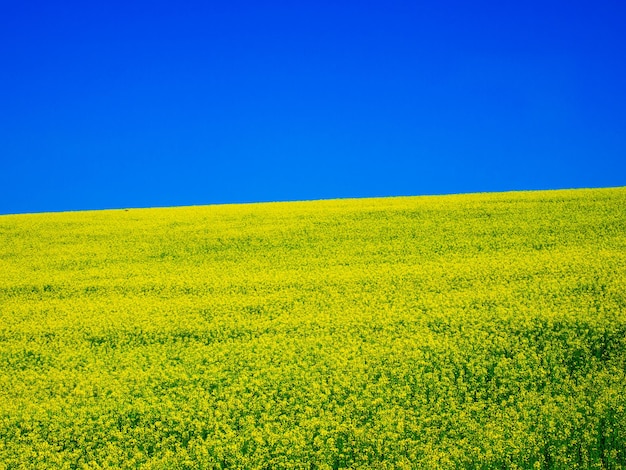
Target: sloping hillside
{"points": [[466, 331]]}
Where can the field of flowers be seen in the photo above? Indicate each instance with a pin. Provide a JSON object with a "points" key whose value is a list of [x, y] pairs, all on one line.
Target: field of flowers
{"points": [[466, 331]]}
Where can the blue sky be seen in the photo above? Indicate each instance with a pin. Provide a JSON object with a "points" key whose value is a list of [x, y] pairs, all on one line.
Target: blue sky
{"points": [[139, 104]]}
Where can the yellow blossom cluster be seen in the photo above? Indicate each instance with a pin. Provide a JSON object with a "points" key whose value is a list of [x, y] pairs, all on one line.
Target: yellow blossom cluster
{"points": [[467, 331]]}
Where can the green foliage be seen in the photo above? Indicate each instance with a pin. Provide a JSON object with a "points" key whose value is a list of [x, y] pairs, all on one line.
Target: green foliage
{"points": [[475, 331]]}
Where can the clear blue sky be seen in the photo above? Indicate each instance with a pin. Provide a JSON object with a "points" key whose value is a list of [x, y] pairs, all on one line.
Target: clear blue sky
{"points": [[135, 104]]}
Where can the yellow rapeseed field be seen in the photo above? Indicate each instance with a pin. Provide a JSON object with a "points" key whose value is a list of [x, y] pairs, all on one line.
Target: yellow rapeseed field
{"points": [[466, 331]]}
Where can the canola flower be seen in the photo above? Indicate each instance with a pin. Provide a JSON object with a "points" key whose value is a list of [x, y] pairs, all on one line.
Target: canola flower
{"points": [[466, 331]]}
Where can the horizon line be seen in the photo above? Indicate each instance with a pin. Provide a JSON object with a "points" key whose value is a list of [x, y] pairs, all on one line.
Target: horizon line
{"points": [[321, 199]]}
